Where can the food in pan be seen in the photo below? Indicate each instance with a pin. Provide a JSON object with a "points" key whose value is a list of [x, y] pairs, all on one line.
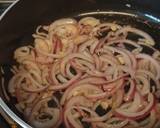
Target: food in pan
{"points": [[88, 74]]}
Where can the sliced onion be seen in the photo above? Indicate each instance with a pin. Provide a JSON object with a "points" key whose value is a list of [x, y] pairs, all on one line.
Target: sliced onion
{"points": [[97, 118], [118, 98], [53, 73], [87, 90], [132, 58], [62, 21], [146, 85], [114, 86], [87, 64], [94, 46], [35, 118], [15, 82], [98, 63], [47, 123], [69, 57], [140, 114], [89, 21], [109, 124], [78, 100], [135, 105], [153, 61], [35, 86], [127, 41], [96, 73], [61, 78], [129, 96], [103, 27], [65, 85], [136, 31], [109, 59], [31, 65], [68, 71], [120, 51], [57, 44], [90, 43], [152, 119], [150, 75], [71, 119], [93, 80]]}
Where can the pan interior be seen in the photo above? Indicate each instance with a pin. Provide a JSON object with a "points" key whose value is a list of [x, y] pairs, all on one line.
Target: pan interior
{"points": [[140, 21]]}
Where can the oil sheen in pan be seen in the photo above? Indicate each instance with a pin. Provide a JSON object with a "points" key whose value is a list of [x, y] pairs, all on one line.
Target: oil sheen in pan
{"points": [[145, 22]]}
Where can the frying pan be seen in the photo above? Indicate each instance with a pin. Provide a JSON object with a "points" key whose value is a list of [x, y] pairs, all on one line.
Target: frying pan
{"points": [[19, 22]]}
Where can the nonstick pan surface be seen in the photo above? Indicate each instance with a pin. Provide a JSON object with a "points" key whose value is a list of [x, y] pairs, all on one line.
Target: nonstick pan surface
{"points": [[20, 22]]}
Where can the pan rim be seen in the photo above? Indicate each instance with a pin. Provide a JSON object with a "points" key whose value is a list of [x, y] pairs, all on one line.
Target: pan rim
{"points": [[3, 105], [12, 115], [8, 9]]}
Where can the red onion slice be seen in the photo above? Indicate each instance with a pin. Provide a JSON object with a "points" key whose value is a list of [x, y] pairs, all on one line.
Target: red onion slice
{"points": [[136, 31], [140, 114], [153, 61], [65, 85], [135, 105], [88, 90], [129, 96]]}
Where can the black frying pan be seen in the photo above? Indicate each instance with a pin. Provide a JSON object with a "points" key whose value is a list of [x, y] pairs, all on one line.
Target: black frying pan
{"points": [[20, 22]]}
